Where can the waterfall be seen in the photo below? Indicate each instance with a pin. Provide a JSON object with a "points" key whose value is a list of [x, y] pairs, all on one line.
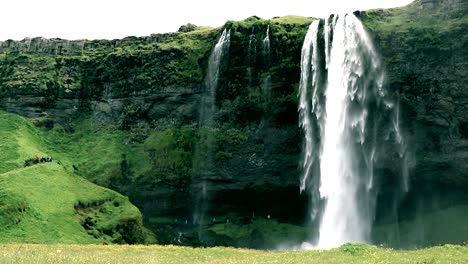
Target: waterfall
{"points": [[251, 56], [266, 46], [266, 84], [203, 163], [305, 112], [343, 107], [211, 81]]}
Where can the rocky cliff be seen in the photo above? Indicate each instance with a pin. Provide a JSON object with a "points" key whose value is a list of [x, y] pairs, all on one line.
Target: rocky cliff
{"points": [[142, 97]]}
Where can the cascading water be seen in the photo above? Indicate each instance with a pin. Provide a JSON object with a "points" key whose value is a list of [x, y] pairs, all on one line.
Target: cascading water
{"points": [[251, 56], [211, 80], [203, 164], [343, 109], [305, 111], [266, 45], [266, 84]]}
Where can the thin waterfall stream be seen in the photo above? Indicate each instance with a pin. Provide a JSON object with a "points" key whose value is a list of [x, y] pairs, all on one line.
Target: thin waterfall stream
{"points": [[203, 160], [266, 84]]}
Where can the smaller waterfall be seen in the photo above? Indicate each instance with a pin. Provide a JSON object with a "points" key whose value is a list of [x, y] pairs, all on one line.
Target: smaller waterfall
{"points": [[211, 80], [266, 84], [203, 158], [402, 148], [251, 56], [266, 46]]}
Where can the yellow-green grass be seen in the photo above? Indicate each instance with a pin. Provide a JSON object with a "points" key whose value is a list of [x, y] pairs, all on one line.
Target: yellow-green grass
{"points": [[23, 253]]}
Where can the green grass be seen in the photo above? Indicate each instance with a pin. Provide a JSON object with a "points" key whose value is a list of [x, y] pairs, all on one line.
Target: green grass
{"points": [[48, 203], [18, 142], [20, 253]]}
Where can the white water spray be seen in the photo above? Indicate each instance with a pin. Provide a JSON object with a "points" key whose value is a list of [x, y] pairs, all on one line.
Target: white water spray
{"points": [[340, 84]]}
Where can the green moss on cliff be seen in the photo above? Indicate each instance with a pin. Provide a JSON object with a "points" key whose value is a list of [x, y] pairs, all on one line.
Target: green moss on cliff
{"points": [[164, 155], [26, 72]]}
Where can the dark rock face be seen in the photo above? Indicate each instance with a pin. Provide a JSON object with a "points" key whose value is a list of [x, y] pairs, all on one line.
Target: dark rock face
{"points": [[43, 46], [424, 48], [58, 46]]}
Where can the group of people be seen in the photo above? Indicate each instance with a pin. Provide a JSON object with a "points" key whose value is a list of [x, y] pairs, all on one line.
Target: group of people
{"points": [[37, 160], [42, 159]]}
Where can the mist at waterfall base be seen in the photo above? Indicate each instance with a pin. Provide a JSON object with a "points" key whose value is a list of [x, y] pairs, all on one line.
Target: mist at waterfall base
{"points": [[349, 121]]}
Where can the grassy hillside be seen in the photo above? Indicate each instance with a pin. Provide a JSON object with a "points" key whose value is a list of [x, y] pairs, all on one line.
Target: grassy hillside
{"points": [[47, 203], [349, 253]]}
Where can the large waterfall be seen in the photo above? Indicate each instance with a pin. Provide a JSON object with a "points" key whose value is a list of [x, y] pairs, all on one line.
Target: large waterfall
{"points": [[345, 113]]}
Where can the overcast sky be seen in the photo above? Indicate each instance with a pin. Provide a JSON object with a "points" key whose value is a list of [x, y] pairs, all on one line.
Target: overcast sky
{"points": [[107, 19]]}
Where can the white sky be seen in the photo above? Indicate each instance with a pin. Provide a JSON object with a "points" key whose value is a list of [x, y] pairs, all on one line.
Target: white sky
{"points": [[107, 19]]}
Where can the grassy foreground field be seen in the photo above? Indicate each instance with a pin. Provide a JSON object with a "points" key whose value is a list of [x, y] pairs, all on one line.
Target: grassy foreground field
{"points": [[350, 253]]}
